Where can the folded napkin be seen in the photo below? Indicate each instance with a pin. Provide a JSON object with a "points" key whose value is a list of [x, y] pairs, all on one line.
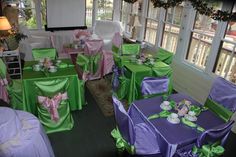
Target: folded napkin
{"points": [[28, 68], [192, 125], [162, 114], [64, 65]]}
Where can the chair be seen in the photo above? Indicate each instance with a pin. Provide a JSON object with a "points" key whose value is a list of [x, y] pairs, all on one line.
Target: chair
{"points": [[164, 56], [106, 29], [53, 105], [130, 49], [90, 63], [41, 53], [222, 98], [12, 88], [116, 43], [152, 86], [134, 136], [21, 134], [208, 142]]}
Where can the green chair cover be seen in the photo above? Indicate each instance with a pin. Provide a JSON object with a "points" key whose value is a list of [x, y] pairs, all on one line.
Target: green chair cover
{"points": [[39, 53], [50, 89], [164, 56], [130, 49], [14, 88], [218, 109]]}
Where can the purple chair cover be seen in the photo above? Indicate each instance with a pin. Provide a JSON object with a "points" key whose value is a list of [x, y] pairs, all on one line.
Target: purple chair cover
{"points": [[219, 133], [115, 81], [154, 85], [107, 62], [135, 132], [224, 92], [3, 90], [22, 135]]}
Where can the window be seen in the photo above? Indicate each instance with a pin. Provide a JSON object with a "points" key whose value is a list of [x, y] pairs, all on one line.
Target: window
{"points": [[151, 24], [27, 13], [226, 61], [172, 28], [43, 13], [89, 12], [105, 9], [124, 14], [201, 39]]}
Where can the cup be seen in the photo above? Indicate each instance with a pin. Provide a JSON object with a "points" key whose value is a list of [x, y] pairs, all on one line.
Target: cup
{"points": [[139, 61], [166, 103], [173, 115], [191, 113], [37, 67]]}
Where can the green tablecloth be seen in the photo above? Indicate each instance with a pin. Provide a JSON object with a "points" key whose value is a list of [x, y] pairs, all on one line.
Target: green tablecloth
{"points": [[121, 60], [75, 89], [136, 73]]}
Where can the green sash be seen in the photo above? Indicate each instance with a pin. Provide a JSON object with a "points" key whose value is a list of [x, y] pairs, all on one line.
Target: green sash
{"points": [[121, 144], [210, 150], [89, 63]]}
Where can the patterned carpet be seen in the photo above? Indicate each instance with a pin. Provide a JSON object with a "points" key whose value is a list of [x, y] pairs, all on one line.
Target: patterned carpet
{"points": [[101, 91]]}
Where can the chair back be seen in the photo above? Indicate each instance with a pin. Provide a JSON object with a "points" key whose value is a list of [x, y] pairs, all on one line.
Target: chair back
{"points": [[124, 122], [154, 85], [130, 49], [224, 92], [164, 56], [116, 42], [219, 133], [40, 53], [3, 69], [92, 47]]}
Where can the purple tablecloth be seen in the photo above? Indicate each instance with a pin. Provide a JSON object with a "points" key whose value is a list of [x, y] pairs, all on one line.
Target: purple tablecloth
{"points": [[172, 136]]}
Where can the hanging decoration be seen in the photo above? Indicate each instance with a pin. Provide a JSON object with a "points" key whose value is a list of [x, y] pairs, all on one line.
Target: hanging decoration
{"points": [[130, 1], [199, 5]]}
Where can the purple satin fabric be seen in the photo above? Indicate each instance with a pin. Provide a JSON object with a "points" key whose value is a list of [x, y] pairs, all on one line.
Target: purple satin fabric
{"points": [[22, 135], [212, 135], [224, 92], [170, 136], [136, 132], [154, 85], [115, 81]]}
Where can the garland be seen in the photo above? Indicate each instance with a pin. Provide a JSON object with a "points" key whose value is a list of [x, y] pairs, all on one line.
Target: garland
{"points": [[200, 5]]}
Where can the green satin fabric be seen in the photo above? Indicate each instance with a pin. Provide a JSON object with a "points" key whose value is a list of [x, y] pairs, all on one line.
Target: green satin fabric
{"points": [[3, 69], [218, 109], [49, 89], [121, 144], [75, 89], [136, 73], [210, 150], [115, 49], [40, 53], [162, 114], [165, 56], [89, 63], [120, 60], [192, 124], [130, 49], [15, 94], [123, 87]]}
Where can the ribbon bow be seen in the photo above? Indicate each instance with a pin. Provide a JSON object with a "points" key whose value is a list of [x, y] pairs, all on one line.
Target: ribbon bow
{"points": [[121, 144], [3, 81], [52, 104], [210, 150]]}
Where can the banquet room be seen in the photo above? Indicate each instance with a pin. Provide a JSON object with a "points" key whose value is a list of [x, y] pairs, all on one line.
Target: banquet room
{"points": [[117, 78]]}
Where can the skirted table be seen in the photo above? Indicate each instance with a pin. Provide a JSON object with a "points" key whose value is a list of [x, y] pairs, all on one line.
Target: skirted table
{"points": [[66, 71], [173, 136], [135, 73]]}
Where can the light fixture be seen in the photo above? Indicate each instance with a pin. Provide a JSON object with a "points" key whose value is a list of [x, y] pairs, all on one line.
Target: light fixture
{"points": [[4, 26], [134, 23]]}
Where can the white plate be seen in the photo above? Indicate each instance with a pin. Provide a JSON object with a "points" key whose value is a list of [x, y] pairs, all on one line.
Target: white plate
{"points": [[190, 118], [173, 121], [52, 70], [165, 107]]}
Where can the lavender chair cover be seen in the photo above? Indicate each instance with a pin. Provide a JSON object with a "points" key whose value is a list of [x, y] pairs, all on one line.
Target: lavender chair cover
{"points": [[115, 80], [21, 135], [224, 92], [93, 47], [154, 85], [136, 132], [107, 62], [219, 133], [116, 42]]}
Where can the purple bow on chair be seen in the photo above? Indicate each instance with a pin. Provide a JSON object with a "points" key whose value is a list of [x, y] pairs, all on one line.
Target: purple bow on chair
{"points": [[52, 104]]}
